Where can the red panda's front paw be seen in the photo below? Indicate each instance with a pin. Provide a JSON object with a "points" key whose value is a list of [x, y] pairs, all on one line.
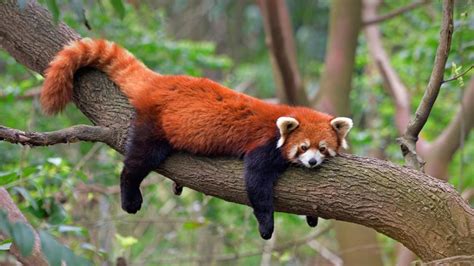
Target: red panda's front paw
{"points": [[131, 200], [266, 231]]}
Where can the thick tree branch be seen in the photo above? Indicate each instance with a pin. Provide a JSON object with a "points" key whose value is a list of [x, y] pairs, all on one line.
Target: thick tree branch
{"points": [[410, 137], [394, 13], [67, 135], [15, 215], [435, 222], [280, 41]]}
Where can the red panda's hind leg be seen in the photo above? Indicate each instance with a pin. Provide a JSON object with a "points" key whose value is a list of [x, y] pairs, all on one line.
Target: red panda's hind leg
{"points": [[145, 151], [312, 220], [262, 168]]}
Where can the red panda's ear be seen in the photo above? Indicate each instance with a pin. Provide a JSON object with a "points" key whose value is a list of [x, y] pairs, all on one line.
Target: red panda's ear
{"points": [[342, 125], [285, 125]]}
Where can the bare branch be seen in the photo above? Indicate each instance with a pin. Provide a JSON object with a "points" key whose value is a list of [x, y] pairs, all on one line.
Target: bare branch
{"points": [[408, 140], [67, 135], [27, 95], [395, 13]]}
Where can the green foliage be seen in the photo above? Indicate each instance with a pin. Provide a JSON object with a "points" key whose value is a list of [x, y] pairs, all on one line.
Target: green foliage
{"points": [[23, 237], [55, 252]]}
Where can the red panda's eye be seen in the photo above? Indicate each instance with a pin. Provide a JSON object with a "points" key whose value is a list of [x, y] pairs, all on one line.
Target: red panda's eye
{"points": [[304, 148], [322, 149]]}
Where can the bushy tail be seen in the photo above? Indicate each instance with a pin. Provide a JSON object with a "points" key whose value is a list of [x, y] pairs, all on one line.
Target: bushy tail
{"points": [[120, 65]]}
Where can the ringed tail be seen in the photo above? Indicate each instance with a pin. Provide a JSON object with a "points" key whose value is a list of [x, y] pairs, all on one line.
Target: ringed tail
{"points": [[119, 65]]}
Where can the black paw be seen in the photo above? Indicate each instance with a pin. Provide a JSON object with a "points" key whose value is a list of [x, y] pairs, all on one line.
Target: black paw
{"points": [[266, 232], [177, 189], [131, 200], [312, 220]]}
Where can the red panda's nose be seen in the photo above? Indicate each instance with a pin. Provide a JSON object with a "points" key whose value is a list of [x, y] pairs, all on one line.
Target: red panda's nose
{"points": [[312, 162]]}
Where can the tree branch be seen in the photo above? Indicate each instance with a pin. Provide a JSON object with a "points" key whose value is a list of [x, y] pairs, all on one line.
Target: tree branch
{"points": [[67, 135], [435, 222], [408, 140], [394, 13], [458, 76], [15, 215]]}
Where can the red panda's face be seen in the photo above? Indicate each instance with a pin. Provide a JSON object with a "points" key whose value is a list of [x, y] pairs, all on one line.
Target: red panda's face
{"points": [[308, 143]]}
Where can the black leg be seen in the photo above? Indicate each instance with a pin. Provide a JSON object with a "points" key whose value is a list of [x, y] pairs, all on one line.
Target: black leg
{"points": [[312, 220], [262, 168], [260, 193], [145, 151]]}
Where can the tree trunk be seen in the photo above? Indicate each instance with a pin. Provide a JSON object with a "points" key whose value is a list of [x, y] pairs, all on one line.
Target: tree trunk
{"points": [[425, 214], [280, 41], [344, 26]]}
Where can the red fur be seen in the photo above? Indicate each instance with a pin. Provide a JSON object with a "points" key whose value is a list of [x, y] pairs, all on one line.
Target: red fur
{"points": [[194, 114]]}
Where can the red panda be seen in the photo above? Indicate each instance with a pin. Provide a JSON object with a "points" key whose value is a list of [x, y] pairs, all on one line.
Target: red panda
{"points": [[200, 116]]}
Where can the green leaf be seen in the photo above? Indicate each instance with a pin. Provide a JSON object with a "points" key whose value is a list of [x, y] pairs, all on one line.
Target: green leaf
{"points": [[25, 172], [23, 238], [57, 214], [126, 241], [8, 177], [5, 244], [72, 229], [54, 9], [192, 225], [119, 7], [5, 226], [51, 249], [26, 195]]}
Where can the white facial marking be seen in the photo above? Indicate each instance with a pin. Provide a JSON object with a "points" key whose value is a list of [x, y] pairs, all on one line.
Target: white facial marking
{"points": [[323, 143], [311, 158], [332, 152], [344, 144], [292, 152]]}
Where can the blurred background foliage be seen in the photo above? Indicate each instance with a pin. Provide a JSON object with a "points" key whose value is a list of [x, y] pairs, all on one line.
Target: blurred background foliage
{"points": [[71, 191]]}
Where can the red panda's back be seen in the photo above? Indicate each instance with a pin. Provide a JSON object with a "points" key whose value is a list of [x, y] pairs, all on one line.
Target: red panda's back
{"points": [[203, 117]]}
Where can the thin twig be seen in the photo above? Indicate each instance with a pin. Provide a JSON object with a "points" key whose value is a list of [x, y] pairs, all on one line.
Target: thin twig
{"points": [[66, 135], [408, 140], [458, 76], [395, 13]]}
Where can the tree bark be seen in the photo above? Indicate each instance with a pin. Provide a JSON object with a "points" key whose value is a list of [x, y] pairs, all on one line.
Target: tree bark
{"points": [[426, 215]]}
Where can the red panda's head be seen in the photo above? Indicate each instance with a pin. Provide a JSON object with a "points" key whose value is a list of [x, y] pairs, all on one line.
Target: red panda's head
{"points": [[307, 140]]}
